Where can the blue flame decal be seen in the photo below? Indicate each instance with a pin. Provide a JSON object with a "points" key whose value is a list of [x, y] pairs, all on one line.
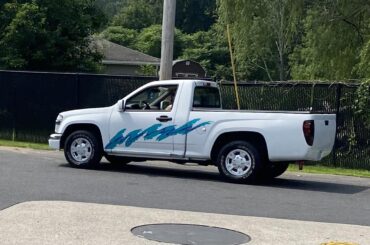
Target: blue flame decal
{"points": [[154, 131]]}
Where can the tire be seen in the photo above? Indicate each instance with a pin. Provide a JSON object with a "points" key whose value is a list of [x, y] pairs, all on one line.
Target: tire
{"points": [[117, 160], [239, 161], [83, 149], [272, 170]]}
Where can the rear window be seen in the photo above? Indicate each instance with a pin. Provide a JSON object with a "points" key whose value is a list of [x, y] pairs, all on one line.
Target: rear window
{"points": [[206, 97]]}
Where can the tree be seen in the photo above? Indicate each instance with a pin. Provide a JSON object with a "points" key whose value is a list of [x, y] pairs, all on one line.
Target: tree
{"points": [[210, 49], [26, 30], [335, 34], [149, 41], [364, 67], [363, 92], [191, 15], [110, 7], [194, 15], [264, 34], [50, 35], [139, 14], [118, 34]]}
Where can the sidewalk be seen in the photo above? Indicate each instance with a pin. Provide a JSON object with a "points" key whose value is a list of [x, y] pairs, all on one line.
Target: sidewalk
{"points": [[64, 223]]}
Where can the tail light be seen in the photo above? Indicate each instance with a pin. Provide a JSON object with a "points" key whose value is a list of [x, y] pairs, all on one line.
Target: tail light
{"points": [[309, 131]]}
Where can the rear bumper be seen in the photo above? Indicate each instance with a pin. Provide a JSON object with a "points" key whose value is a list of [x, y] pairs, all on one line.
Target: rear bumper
{"points": [[54, 141], [317, 155]]}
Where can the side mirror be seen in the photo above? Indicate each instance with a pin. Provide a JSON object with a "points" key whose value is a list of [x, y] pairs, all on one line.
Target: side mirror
{"points": [[122, 106]]}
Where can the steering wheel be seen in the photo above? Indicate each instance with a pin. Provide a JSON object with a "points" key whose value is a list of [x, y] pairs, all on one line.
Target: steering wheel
{"points": [[147, 106]]}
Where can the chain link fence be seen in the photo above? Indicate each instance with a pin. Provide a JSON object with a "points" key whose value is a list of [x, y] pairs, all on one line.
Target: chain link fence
{"points": [[30, 102]]}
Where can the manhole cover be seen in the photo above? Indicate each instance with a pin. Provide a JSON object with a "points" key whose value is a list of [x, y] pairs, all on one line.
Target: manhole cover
{"points": [[190, 234]]}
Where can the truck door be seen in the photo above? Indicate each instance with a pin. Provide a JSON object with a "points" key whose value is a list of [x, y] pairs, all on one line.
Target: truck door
{"points": [[146, 126], [206, 98]]}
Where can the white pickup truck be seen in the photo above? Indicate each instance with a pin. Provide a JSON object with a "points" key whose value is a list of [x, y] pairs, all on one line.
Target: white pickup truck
{"points": [[183, 121]]}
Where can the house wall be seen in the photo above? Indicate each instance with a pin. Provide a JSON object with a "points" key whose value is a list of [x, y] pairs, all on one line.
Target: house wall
{"points": [[121, 69]]}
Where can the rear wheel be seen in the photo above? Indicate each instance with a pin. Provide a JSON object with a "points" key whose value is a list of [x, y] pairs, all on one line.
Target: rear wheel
{"points": [[83, 149], [239, 161], [117, 160]]}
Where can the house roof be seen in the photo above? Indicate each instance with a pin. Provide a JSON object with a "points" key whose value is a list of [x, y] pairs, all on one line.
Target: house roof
{"points": [[115, 54]]}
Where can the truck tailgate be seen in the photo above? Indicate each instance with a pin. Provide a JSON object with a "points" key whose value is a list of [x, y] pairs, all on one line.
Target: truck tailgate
{"points": [[325, 130]]}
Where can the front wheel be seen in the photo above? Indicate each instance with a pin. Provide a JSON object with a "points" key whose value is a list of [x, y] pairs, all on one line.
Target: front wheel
{"points": [[83, 149], [239, 161]]}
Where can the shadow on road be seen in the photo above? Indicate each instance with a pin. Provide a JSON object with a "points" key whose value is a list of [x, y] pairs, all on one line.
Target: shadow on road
{"points": [[318, 186], [158, 171], [284, 182]]}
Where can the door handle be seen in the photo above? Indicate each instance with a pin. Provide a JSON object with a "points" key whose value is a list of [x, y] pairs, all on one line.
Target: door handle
{"points": [[164, 118]]}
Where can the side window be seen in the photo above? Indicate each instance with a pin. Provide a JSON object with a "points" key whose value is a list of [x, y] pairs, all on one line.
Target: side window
{"points": [[206, 97], [153, 98]]}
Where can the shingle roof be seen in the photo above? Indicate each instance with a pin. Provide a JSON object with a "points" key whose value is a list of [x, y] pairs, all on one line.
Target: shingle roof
{"points": [[116, 54]]}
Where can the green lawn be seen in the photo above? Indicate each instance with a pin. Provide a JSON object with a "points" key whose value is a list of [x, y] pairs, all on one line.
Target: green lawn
{"points": [[24, 145]]}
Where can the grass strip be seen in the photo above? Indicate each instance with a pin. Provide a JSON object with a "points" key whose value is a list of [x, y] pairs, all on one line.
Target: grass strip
{"points": [[21, 144], [319, 169]]}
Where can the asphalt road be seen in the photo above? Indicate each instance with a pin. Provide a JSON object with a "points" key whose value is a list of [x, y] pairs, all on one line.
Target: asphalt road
{"points": [[27, 175]]}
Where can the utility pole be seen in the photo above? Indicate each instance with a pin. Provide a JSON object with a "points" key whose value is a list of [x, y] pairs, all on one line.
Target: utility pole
{"points": [[168, 33]]}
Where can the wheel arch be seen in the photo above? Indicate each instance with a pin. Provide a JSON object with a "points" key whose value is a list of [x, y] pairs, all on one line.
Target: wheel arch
{"points": [[255, 138], [80, 126]]}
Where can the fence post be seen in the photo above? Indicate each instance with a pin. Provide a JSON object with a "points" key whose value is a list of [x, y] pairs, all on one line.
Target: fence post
{"points": [[14, 105], [312, 96], [77, 106], [337, 112]]}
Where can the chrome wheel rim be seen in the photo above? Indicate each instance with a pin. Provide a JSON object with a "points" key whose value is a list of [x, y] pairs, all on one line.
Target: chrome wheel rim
{"points": [[81, 150], [238, 162]]}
